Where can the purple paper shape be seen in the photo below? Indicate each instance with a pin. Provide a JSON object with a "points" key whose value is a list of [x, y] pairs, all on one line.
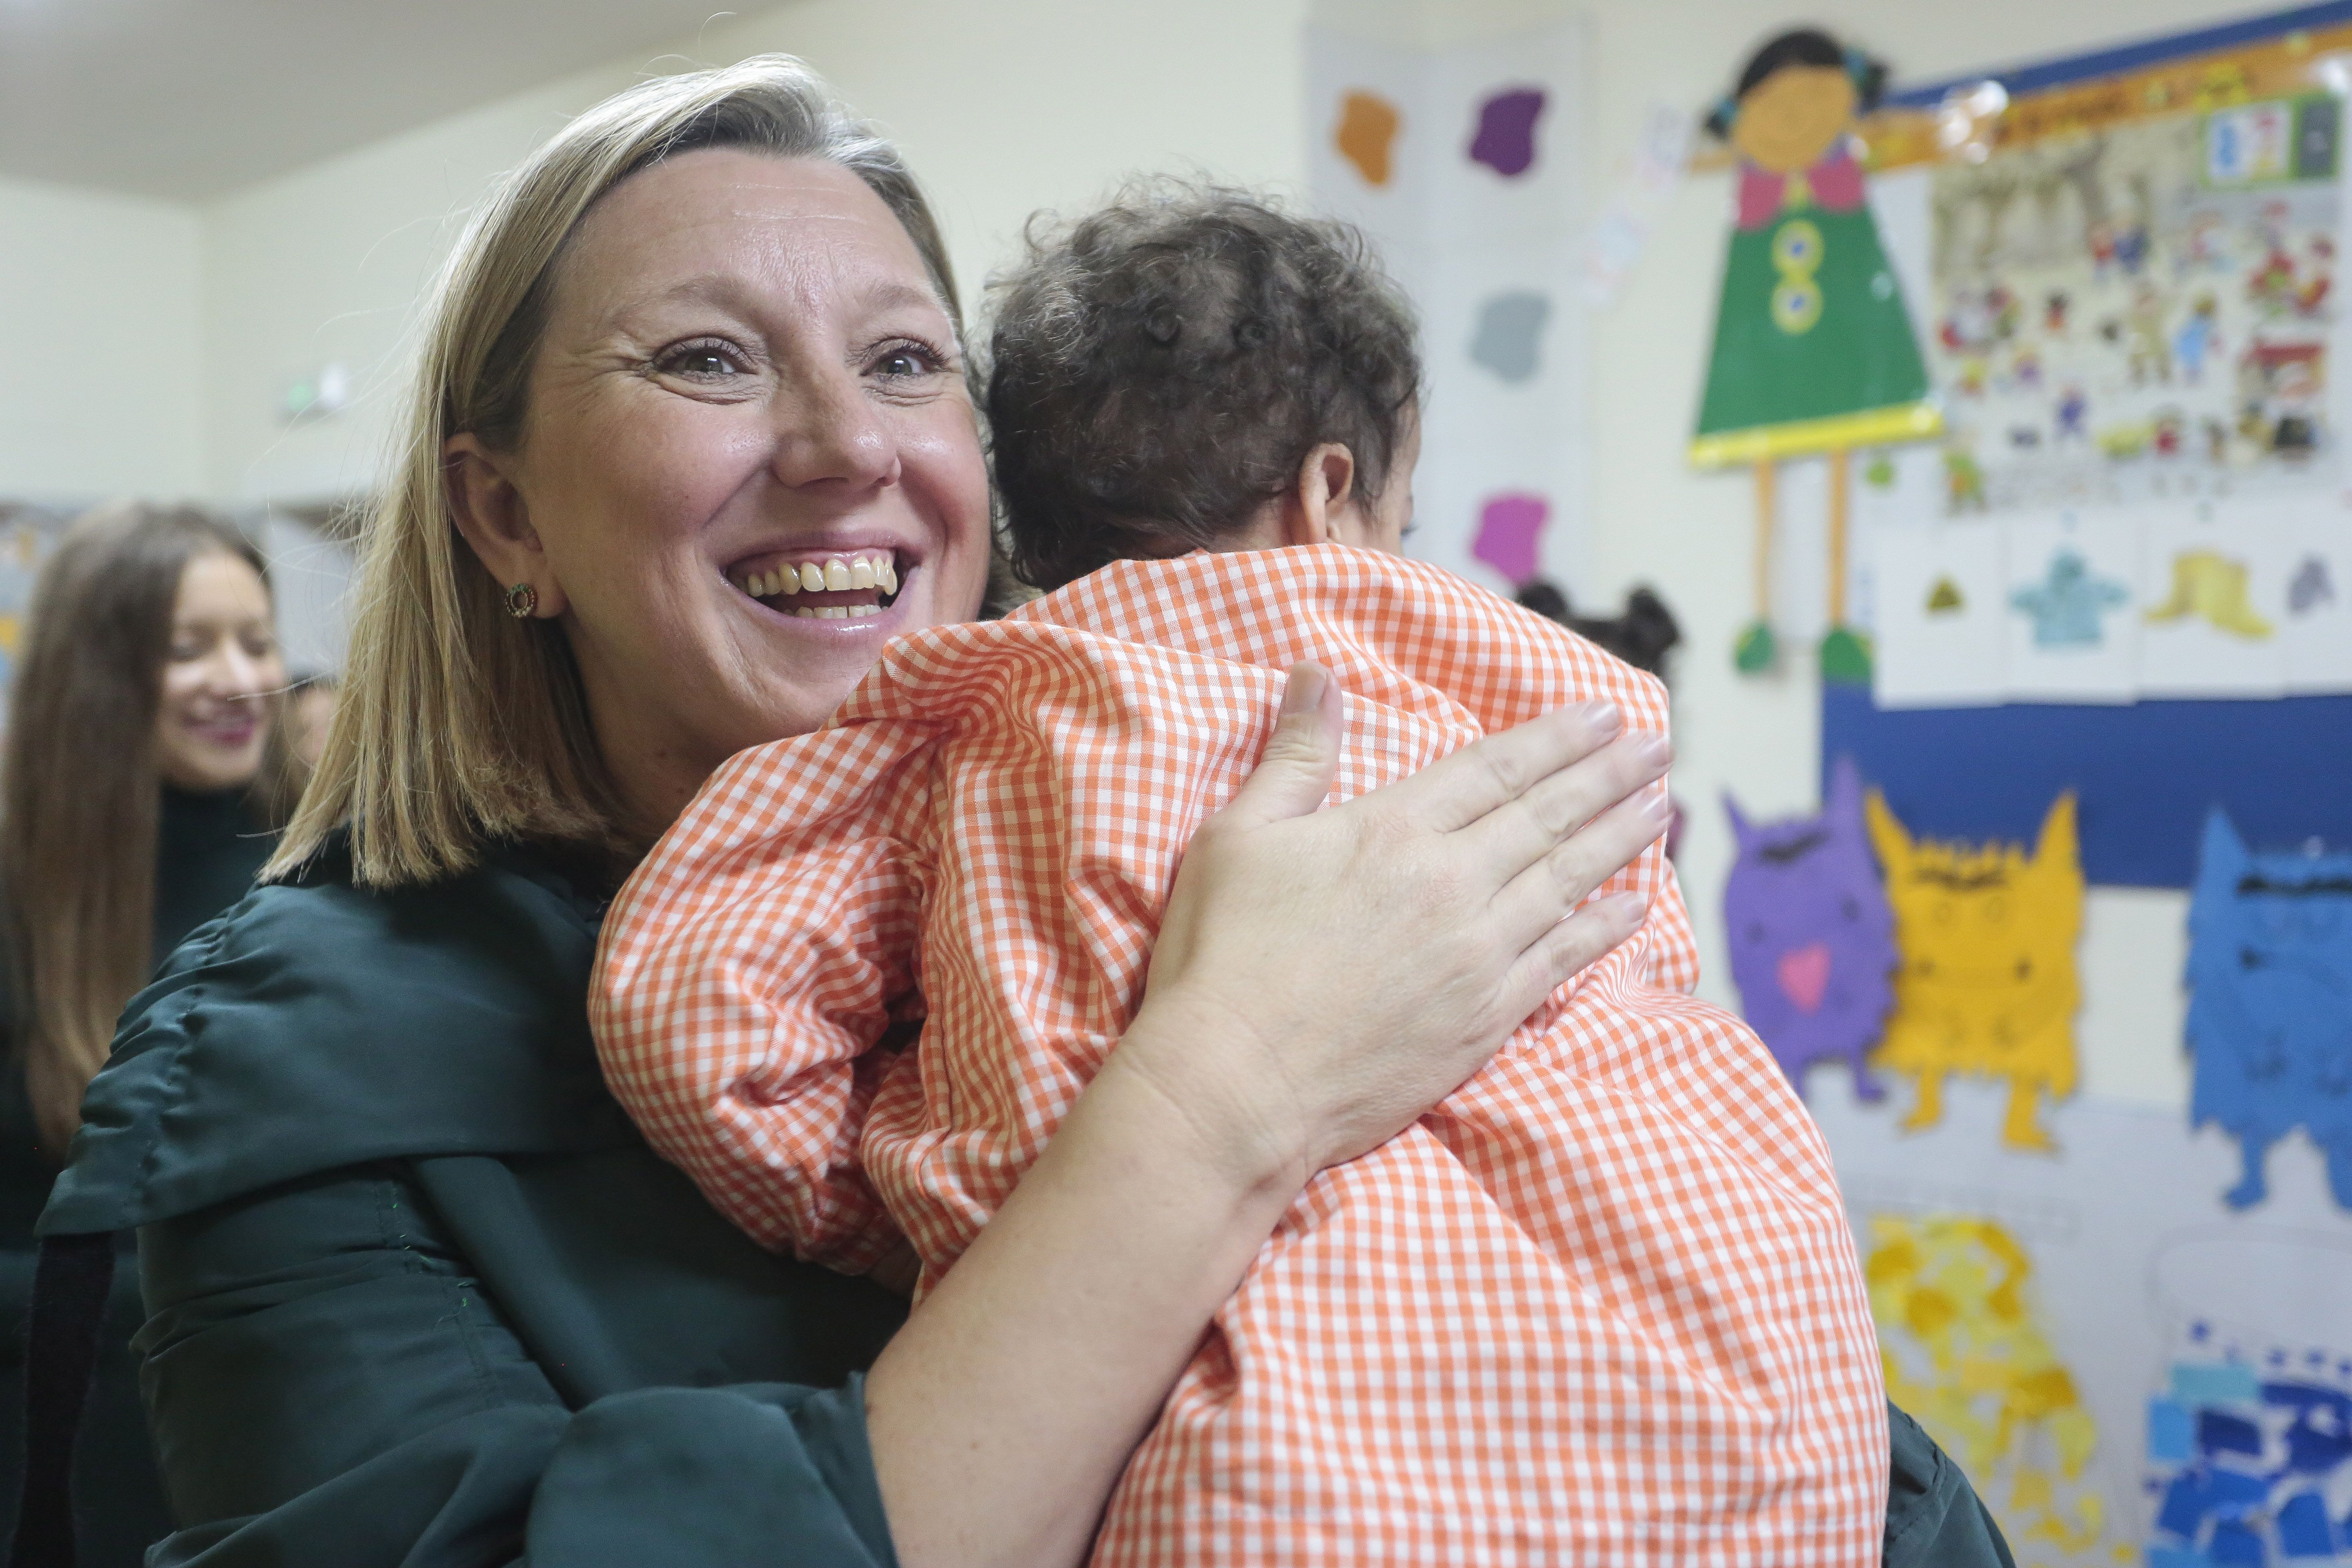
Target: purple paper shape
{"points": [[1510, 527], [2269, 966], [1812, 937], [1505, 141]]}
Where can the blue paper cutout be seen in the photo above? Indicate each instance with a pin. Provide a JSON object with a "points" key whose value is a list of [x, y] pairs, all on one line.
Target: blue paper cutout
{"points": [[2216, 1385], [2303, 1529], [1812, 938], [2218, 1432], [2172, 1431], [2175, 1557], [2270, 1009], [2236, 1546], [2231, 1499], [2067, 605], [1510, 335]]}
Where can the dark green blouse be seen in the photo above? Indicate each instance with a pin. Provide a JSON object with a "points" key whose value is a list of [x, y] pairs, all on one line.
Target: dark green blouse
{"points": [[417, 1291]]}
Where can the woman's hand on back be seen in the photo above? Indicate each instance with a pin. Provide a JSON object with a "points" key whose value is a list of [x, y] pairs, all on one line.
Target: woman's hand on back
{"points": [[1323, 977]]}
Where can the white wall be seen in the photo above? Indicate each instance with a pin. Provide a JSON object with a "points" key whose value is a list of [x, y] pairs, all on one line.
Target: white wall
{"points": [[1000, 109], [100, 374]]}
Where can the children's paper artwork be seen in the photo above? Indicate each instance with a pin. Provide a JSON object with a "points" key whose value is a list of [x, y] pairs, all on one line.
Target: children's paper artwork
{"points": [[2213, 598], [2312, 552], [1459, 164], [2133, 295], [2249, 1423], [1813, 940], [1986, 984], [1814, 352], [2073, 635], [1509, 338], [1366, 135], [2270, 1010], [1510, 534], [2100, 1265], [1939, 601], [1969, 1355], [1506, 139]]}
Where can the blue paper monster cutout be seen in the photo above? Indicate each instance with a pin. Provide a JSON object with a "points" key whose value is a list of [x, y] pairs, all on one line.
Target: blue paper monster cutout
{"points": [[2067, 604], [1813, 940], [2270, 1008]]}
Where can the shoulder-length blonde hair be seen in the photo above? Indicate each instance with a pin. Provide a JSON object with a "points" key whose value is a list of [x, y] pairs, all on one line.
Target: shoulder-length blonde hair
{"points": [[79, 797], [460, 725]]}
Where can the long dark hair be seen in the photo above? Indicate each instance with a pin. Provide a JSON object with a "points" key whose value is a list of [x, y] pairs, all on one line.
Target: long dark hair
{"points": [[80, 794]]}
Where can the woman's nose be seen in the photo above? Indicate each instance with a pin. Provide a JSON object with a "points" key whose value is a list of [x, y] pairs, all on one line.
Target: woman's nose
{"points": [[828, 432], [235, 672]]}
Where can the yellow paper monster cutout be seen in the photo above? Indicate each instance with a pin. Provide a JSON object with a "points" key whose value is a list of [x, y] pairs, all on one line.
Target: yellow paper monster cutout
{"points": [[1965, 1352], [1986, 984], [2212, 587]]}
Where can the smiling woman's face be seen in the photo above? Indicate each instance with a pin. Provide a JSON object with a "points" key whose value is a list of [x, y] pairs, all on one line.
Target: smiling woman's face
{"points": [[746, 377]]}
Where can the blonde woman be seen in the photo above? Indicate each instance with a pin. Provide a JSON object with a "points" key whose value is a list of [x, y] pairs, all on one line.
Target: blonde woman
{"points": [[418, 1291], [143, 784]]}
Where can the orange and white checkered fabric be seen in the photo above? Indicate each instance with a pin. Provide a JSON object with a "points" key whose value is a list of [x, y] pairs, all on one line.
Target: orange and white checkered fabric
{"points": [[1600, 1306]]}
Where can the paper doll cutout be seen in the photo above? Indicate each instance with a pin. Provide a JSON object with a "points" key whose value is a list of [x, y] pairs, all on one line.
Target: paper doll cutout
{"points": [[2270, 1007], [2067, 604], [2209, 585], [1945, 598], [1813, 940], [2207, 1438], [1506, 140], [1366, 135], [1509, 332], [1968, 1354], [1509, 529], [1987, 984], [1813, 350], [2310, 587]]}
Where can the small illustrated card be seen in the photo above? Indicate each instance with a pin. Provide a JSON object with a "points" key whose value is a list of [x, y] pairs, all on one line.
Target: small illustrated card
{"points": [[2213, 598], [2313, 540], [2071, 603], [1940, 608]]}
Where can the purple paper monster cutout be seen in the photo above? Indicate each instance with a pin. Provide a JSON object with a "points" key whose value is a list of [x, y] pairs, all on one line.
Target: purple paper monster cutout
{"points": [[1812, 938], [1505, 141]]}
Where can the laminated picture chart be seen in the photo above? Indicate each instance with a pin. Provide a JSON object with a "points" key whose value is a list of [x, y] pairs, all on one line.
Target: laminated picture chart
{"points": [[1463, 165]]}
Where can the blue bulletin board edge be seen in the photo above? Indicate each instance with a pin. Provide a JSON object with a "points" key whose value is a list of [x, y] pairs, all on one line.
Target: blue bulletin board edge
{"points": [[2146, 774], [2037, 77]]}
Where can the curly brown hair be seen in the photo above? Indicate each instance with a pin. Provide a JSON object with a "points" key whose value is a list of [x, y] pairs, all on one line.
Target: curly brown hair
{"points": [[1160, 369]]}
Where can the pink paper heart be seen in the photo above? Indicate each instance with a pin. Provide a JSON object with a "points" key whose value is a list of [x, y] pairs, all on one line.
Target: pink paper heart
{"points": [[1805, 975]]}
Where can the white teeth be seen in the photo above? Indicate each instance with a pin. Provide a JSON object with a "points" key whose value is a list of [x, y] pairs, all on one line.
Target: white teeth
{"points": [[861, 573], [807, 612], [859, 612], [836, 577], [812, 576], [784, 582], [888, 579]]}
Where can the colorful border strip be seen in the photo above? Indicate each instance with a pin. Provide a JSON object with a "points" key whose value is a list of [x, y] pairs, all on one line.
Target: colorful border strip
{"points": [[2025, 78], [1804, 437]]}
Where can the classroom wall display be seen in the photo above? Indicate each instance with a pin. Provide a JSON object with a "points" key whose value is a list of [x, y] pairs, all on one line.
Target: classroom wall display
{"points": [[1464, 165], [2125, 264], [1986, 986], [26, 534], [1812, 938], [2092, 1337]]}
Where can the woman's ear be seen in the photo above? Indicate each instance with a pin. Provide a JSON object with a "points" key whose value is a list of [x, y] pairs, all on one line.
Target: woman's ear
{"points": [[1326, 499], [489, 510]]}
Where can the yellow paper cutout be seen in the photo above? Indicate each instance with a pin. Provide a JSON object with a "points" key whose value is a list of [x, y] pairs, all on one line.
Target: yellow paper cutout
{"points": [[2210, 585], [1987, 984], [1966, 1354], [1367, 130]]}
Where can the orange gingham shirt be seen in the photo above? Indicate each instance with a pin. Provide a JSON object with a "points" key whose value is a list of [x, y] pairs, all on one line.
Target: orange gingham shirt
{"points": [[1600, 1306]]}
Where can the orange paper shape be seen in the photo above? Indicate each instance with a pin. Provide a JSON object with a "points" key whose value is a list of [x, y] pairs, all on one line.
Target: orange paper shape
{"points": [[1367, 134], [1988, 984]]}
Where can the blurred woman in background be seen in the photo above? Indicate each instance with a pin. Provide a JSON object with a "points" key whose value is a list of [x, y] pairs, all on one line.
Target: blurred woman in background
{"points": [[146, 776]]}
